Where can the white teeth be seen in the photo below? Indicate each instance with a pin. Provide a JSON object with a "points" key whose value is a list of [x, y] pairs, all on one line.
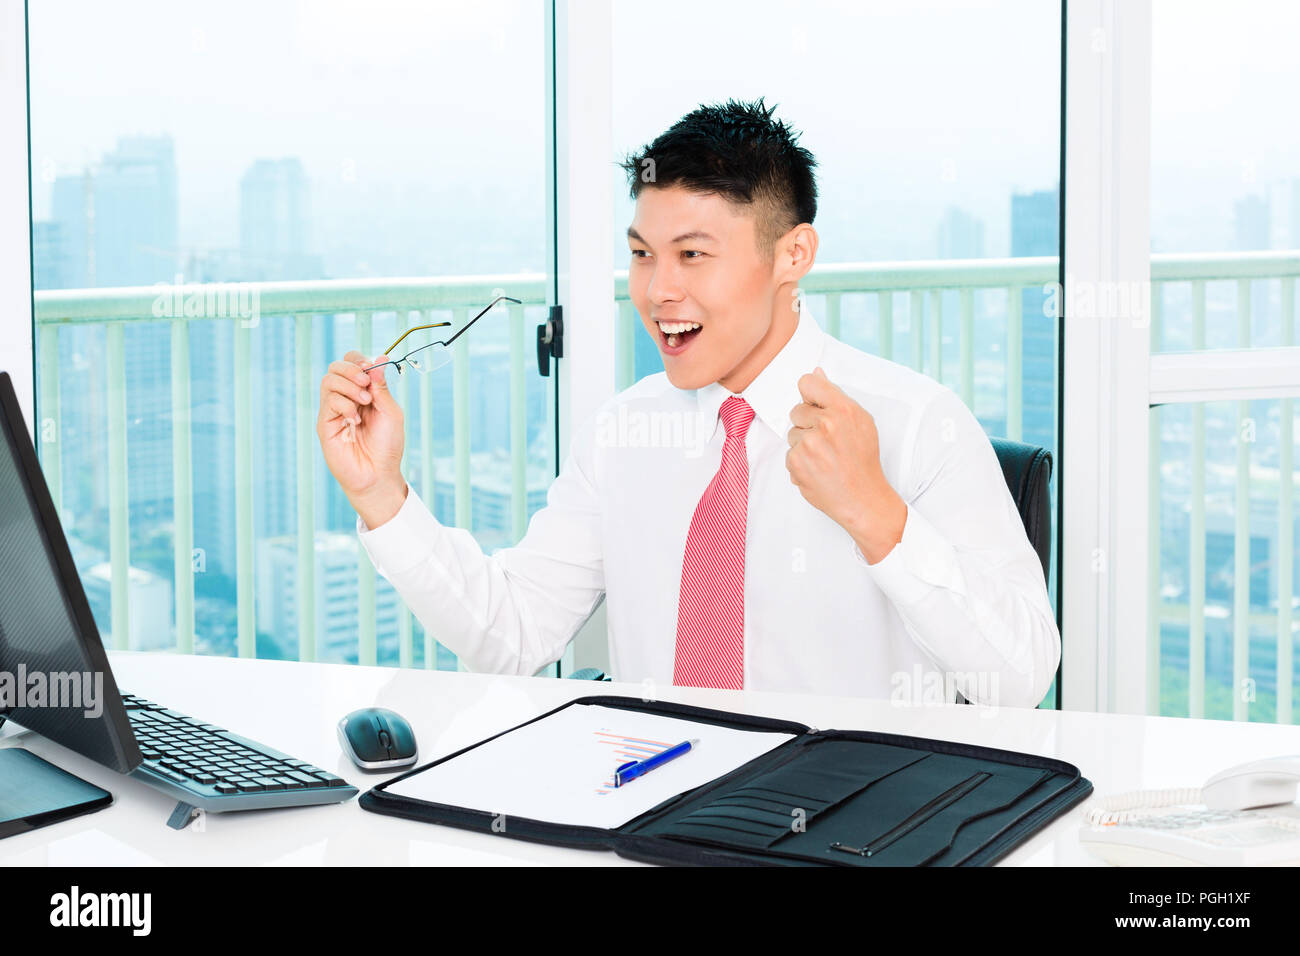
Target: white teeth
{"points": [[672, 328]]}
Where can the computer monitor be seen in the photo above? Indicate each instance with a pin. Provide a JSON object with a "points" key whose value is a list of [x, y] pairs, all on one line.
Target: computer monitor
{"points": [[54, 674]]}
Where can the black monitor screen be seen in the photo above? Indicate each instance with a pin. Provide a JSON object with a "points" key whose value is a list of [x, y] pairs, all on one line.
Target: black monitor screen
{"points": [[54, 673]]}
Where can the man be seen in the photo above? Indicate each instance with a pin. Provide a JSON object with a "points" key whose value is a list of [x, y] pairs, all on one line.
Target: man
{"points": [[818, 519]]}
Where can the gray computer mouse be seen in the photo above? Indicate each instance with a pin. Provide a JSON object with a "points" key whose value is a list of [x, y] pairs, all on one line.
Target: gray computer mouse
{"points": [[377, 739]]}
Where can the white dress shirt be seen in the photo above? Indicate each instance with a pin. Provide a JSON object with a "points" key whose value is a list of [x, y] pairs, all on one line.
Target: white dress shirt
{"points": [[959, 602]]}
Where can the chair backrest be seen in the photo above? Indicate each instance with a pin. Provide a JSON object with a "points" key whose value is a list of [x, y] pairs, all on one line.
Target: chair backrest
{"points": [[1028, 469]]}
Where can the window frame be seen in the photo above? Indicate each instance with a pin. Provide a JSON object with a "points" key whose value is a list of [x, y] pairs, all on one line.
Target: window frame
{"points": [[17, 355], [1105, 405]]}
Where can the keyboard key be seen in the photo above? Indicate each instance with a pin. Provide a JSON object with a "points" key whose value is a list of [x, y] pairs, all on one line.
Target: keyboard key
{"points": [[227, 788], [306, 778], [248, 786], [290, 783], [270, 783]]}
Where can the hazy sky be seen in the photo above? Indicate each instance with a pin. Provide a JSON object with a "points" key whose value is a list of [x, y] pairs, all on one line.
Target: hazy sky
{"points": [[420, 124], [908, 108]]}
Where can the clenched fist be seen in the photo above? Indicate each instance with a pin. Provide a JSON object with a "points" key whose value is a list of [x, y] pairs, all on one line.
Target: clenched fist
{"points": [[834, 460]]}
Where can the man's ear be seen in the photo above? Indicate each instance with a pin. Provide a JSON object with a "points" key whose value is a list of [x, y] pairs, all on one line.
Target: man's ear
{"points": [[796, 252]]}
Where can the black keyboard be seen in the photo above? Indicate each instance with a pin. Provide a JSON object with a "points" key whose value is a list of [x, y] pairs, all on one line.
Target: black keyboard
{"points": [[211, 768]]}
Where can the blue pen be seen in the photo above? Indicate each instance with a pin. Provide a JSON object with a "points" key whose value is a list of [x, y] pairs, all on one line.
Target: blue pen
{"points": [[634, 768]]}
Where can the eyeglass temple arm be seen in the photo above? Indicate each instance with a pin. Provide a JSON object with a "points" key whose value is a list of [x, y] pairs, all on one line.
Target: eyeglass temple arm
{"points": [[485, 311], [438, 325], [415, 328]]}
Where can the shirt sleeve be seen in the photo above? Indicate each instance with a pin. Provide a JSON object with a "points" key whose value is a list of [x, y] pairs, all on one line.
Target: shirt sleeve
{"points": [[964, 577], [515, 611]]}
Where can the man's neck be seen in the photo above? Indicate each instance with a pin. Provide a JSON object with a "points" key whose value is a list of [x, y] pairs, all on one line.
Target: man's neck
{"points": [[779, 332]]}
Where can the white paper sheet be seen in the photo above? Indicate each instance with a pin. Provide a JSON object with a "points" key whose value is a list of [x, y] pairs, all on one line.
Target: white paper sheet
{"points": [[561, 768]]}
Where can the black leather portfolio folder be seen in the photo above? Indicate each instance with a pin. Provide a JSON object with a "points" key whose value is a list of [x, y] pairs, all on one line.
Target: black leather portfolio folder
{"points": [[823, 797]]}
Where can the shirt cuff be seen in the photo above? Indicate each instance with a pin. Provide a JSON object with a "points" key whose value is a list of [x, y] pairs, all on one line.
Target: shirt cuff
{"points": [[404, 540], [922, 560]]}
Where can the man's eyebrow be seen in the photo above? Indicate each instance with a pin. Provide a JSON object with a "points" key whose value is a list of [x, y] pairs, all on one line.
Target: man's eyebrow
{"points": [[693, 234]]}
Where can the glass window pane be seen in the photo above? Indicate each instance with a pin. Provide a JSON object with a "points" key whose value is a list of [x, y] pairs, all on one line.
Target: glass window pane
{"points": [[1226, 607], [1225, 244], [1225, 174], [203, 156]]}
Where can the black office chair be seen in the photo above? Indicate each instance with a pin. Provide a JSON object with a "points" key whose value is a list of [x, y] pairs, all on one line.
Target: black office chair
{"points": [[1027, 469]]}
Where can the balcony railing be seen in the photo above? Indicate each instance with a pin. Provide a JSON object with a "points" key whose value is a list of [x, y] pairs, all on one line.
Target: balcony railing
{"points": [[916, 290], [114, 308], [916, 283], [1191, 273]]}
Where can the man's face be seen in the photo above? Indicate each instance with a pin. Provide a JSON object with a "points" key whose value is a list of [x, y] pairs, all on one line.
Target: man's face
{"points": [[695, 260]]}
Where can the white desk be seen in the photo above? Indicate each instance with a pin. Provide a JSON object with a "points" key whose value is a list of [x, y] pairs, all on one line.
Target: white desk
{"points": [[295, 707]]}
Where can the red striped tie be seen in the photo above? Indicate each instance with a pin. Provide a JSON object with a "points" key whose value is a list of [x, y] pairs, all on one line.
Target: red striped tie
{"points": [[711, 609]]}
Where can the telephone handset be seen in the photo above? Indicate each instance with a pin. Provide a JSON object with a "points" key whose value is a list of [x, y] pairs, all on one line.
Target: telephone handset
{"points": [[1243, 816]]}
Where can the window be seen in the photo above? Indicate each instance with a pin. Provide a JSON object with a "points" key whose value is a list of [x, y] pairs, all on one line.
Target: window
{"points": [[1224, 601], [226, 199]]}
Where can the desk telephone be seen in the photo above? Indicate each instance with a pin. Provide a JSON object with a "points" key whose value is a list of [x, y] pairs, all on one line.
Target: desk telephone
{"points": [[1243, 816]]}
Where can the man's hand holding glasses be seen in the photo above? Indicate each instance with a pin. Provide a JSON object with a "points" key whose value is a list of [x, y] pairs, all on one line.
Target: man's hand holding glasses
{"points": [[361, 426]]}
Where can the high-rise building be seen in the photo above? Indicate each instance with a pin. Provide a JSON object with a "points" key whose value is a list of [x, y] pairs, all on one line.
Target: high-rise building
{"points": [[115, 224], [274, 230], [1251, 224], [149, 606], [1035, 219], [72, 215], [274, 222], [135, 213], [212, 445], [49, 256], [1035, 231], [960, 235], [337, 632]]}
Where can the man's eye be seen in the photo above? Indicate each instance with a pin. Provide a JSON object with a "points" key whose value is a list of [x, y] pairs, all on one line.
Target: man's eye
{"points": [[639, 253], [692, 253]]}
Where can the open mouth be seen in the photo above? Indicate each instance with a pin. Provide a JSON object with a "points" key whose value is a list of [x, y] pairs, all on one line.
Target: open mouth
{"points": [[676, 337]]}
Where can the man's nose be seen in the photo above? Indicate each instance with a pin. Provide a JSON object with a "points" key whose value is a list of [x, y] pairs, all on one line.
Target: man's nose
{"points": [[665, 285]]}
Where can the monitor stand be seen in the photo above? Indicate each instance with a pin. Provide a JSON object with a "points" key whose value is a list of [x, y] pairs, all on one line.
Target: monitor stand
{"points": [[9, 730]]}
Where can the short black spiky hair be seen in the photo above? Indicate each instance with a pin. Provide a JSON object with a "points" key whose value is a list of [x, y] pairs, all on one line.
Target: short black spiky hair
{"points": [[738, 151]]}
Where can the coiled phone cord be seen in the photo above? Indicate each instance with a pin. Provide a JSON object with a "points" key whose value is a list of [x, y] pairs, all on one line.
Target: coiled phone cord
{"points": [[1136, 804]]}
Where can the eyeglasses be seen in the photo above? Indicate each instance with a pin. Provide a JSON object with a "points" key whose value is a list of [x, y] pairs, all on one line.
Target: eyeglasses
{"points": [[434, 355]]}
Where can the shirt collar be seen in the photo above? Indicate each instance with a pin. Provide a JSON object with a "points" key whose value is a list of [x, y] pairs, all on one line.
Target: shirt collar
{"points": [[775, 391]]}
